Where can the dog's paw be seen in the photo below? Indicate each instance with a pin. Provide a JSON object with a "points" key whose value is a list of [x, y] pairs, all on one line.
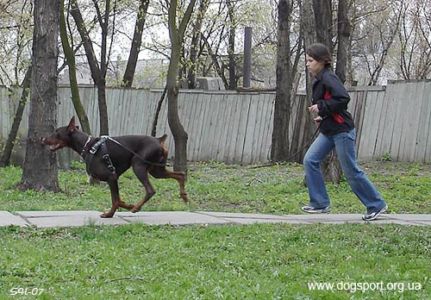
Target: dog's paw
{"points": [[126, 206], [184, 197], [107, 215], [135, 209]]}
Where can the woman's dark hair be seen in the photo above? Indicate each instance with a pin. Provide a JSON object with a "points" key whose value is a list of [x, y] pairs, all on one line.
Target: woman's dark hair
{"points": [[320, 53]]}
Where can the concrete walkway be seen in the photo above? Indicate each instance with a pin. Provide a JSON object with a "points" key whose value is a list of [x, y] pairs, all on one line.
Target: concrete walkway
{"points": [[81, 218]]}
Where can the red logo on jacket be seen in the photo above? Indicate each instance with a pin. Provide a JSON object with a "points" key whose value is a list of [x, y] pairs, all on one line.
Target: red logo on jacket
{"points": [[335, 116]]}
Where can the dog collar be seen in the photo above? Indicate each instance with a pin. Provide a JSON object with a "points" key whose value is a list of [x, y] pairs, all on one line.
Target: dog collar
{"points": [[85, 146]]}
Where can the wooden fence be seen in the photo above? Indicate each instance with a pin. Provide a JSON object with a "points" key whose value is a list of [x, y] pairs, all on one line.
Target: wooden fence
{"points": [[236, 127]]}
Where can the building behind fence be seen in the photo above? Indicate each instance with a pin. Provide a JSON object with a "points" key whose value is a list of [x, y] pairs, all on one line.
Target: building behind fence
{"points": [[392, 122]]}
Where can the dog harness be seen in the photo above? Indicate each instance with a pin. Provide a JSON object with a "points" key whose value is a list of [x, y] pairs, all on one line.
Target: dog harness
{"points": [[100, 145]]}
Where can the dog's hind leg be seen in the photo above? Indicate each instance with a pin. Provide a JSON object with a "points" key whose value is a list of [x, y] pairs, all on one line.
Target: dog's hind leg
{"points": [[161, 172], [125, 205], [141, 172], [116, 201]]}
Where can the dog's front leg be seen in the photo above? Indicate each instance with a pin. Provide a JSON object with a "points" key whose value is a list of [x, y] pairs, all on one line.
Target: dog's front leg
{"points": [[142, 174], [115, 197]]}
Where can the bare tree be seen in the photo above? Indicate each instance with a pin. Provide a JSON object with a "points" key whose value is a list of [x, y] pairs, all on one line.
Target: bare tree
{"points": [[415, 40], [308, 32], [282, 108], [213, 38], [129, 73], [323, 21], [375, 27], [40, 166], [216, 63], [10, 142], [70, 59], [217, 53], [16, 28], [177, 30], [195, 42], [231, 44], [343, 28], [98, 70]]}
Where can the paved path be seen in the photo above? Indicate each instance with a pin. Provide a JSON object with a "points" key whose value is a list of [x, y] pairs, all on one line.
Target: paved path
{"points": [[82, 218]]}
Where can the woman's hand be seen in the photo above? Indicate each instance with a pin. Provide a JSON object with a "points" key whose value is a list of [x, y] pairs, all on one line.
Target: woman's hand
{"points": [[313, 109]]}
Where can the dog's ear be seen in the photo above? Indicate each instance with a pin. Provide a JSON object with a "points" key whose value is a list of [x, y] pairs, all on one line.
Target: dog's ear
{"points": [[162, 139], [72, 127]]}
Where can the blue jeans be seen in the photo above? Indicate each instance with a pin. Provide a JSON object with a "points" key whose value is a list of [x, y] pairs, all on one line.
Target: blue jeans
{"points": [[344, 144]]}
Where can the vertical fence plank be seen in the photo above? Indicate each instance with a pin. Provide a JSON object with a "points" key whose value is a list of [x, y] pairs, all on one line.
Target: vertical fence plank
{"points": [[249, 132], [260, 155], [205, 121], [194, 130], [258, 130], [370, 119], [385, 129], [186, 117], [424, 128], [218, 125], [399, 121], [6, 108], [242, 129], [225, 119], [235, 129], [410, 120]]}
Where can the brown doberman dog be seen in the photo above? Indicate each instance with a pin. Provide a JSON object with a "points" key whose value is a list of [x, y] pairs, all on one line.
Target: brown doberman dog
{"points": [[107, 158]]}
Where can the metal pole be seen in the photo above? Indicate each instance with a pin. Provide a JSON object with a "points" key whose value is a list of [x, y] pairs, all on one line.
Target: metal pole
{"points": [[247, 57]]}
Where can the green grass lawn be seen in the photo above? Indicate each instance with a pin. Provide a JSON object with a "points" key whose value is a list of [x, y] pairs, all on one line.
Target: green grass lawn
{"points": [[216, 187], [266, 261], [217, 262]]}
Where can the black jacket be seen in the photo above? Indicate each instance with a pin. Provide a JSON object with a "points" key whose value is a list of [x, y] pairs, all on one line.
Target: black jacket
{"points": [[332, 98]]}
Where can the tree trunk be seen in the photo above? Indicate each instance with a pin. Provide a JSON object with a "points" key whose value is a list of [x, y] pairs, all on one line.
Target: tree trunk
{"points": [[136, 44], [10, 142], [323, 21], [282, 108], [98, 73], [349, 68], [157, 113], [176, 35], [177, 129], [40, 165], [103, 108], [196, 37], [331, 168], [70, 58], [343, 27], [308, 29]]}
